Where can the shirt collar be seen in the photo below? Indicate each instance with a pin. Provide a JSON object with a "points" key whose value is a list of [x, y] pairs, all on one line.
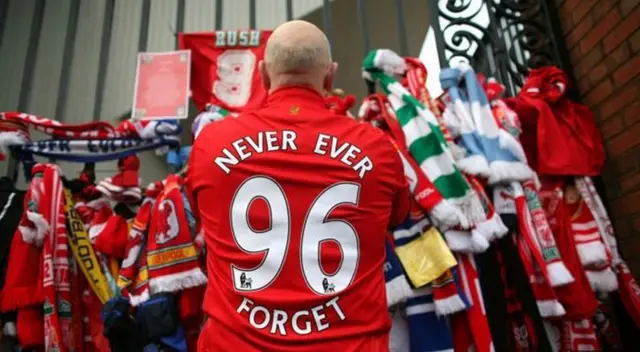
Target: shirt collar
{"points": [[293, 94]]}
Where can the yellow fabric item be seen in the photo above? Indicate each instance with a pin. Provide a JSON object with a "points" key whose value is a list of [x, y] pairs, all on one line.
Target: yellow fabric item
{"points": [[426, 258], [83, 251]]}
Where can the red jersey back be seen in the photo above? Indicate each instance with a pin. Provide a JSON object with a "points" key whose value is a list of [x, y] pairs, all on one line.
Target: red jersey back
{"points": [[295, 203]]}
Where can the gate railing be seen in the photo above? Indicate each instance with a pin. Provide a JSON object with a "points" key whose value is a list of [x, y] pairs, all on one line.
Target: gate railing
{"points": [[502, 38]]}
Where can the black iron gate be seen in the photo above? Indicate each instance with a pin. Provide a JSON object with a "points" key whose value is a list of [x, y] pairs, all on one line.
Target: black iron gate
{"points": [[502, 38]]}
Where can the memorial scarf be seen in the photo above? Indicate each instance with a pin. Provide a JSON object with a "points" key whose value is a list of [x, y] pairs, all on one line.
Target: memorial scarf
{"points": [[424, 139], [89, 150], [83, 252]]}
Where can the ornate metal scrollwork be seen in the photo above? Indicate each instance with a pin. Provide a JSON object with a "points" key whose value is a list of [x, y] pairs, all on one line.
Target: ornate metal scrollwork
{"points": [[503, 38]]}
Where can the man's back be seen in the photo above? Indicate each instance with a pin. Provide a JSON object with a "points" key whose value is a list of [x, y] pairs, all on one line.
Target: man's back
{"points": [[295, 203]]}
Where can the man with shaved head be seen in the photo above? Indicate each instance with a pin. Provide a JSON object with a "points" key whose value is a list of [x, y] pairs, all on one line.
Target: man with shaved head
{"points": [[295, 203]]}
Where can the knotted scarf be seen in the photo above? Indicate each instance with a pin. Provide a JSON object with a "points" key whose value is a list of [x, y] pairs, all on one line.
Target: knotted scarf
{"points": [[491, 152]]}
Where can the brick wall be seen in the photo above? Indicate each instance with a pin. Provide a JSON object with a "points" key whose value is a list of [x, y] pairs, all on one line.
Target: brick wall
{"points": [[604, 44]]}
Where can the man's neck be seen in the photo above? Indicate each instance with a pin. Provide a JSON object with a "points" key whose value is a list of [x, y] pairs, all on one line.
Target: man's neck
{"points": [[295, 80]]}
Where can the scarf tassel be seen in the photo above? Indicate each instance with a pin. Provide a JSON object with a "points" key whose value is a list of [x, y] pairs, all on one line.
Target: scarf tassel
{"points": [[558, 274], [603, 280], [178, 281], [466, 241]]}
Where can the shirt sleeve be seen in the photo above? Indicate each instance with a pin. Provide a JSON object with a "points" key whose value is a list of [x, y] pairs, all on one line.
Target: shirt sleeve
{"points": [[199, 173], [402, 197]]}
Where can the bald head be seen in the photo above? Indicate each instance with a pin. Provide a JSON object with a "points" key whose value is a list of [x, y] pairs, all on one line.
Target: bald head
{"points": [[298, 53]]}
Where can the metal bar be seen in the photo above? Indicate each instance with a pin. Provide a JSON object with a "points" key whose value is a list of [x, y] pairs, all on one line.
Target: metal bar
{"points": [[289, 10], [143, 38], [67, 56], [105, 49], [180, 19], [4, 8], [252, 14], [30, 60], [326, 16], [402, 28], [362, 17], [434, 16], [218, 15]]}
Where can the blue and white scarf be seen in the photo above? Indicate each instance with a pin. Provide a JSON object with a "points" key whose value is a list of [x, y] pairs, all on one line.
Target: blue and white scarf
{"points": [[88, 150], [398, 288], [491, 152], [427, 331]]}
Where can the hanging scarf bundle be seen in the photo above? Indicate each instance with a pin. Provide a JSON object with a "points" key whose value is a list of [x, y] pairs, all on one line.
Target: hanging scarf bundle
{"points": [[577, 297], [427, 331], [471, 327], [58, 334], [424, 139], [628, 288], [510, 200], [376, 109], [172, 258], [508, 121], [593, 254], [491, 152]]}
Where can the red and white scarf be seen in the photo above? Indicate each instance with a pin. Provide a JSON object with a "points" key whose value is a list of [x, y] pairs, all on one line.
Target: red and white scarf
{"points": [[471, 328], [172, 258], [56, 281], [577, 298]]}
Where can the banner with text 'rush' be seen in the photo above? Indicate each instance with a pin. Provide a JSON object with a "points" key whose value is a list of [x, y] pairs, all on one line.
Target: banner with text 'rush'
{"points": [[224, 67]]}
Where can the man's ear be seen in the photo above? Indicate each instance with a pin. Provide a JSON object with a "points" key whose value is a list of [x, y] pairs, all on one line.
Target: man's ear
{"points": [[328, 80], [266, 81]]}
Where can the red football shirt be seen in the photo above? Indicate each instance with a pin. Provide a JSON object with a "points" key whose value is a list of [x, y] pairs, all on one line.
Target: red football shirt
{"points": [[224, 67], [295, 202]]}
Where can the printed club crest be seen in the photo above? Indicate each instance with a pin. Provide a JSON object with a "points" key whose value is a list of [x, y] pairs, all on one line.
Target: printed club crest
{"points": [[168, 227]]}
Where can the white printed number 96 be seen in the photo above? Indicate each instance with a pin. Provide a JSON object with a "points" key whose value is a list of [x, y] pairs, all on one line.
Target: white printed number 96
{"points": [[275, 240]]}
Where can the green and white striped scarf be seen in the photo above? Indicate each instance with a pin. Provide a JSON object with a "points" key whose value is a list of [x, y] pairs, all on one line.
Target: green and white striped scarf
{"points": [[424, 138]]}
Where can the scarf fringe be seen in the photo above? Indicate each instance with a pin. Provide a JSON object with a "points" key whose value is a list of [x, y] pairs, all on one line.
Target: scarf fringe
{"points": [[136, 300], [9, 329], [449, 305], [492, 228], [466, 241], [592, 253], [398, 290], [178, 281], [602, 280], [559, 275], [550, 308], [447, 215], [475, 165], [35, 236], [503, 170], [510, 143], [471, 207]]}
